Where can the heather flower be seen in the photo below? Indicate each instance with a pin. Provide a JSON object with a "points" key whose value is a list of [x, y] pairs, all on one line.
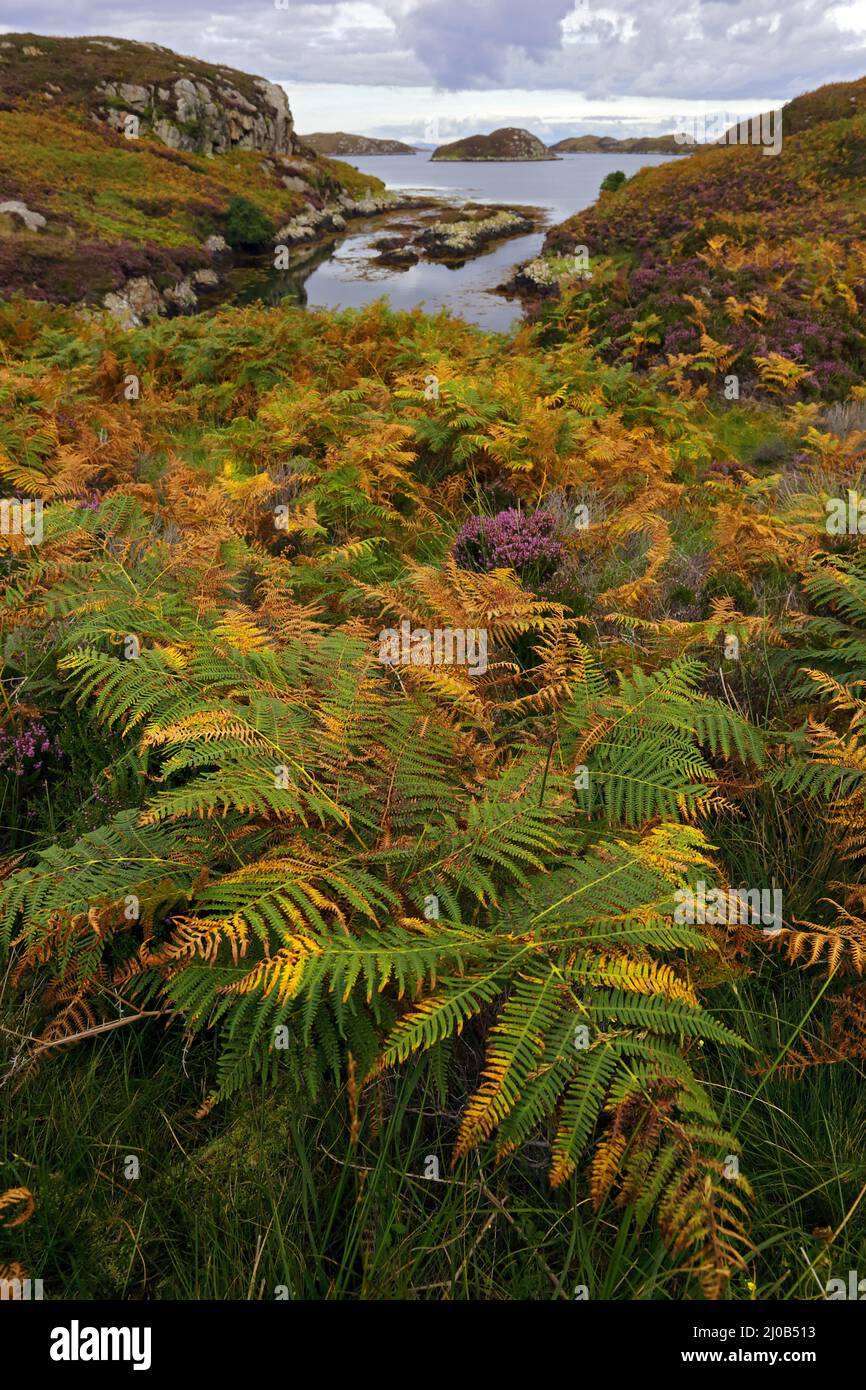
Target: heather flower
{"points": [[26, 751], [522, 541]]}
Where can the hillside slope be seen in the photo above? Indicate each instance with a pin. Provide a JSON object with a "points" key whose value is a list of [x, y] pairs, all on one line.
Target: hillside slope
{"points": [[186, 103], [765, 256], [119, 162]]}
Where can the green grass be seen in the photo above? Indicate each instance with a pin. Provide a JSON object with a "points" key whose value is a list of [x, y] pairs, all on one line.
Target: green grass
{"points": [[273, 1197]]}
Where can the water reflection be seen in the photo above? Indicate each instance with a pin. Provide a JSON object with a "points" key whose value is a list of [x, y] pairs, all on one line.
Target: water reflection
{"points": [[345, 272]]}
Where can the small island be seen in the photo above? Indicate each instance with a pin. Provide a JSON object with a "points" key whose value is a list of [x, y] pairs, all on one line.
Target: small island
{"points": [[607, 144], [338, 144], [510, 143]]}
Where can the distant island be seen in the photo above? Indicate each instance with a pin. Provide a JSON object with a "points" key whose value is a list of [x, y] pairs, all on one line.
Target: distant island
{"points": [[510, 143], [606, 144], [338, 143]]}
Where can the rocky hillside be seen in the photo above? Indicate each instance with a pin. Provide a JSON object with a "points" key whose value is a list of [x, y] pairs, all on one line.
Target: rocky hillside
{"points": [[606, 144], [510, 143], [126, 164], [185, 103], [340, 144]]}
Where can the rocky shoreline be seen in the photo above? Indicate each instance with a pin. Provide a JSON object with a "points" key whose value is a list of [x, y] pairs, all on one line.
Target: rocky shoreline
{"points": [[141, 299], [432, 231]]}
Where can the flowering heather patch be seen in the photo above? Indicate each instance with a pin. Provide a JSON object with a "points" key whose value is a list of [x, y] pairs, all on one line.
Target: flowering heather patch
{"points": [[27, 750], [511, 539]]}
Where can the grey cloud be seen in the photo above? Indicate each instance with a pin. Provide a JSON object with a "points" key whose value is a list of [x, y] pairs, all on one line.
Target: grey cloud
{"points": [[466, 44], [678, 49]]}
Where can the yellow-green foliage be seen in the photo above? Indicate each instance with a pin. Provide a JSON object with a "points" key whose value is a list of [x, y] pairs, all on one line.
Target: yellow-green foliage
{"points": [[98, 184]]}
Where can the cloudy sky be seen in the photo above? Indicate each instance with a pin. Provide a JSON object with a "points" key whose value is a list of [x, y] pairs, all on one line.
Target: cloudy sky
{"points": [[435, 69]]}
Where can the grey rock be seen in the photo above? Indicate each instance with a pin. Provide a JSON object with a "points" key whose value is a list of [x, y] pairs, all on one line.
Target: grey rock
{"points": [[168, 134], [295, 184], [182, 295], [138, 301], [32, 220], [134, 96]]}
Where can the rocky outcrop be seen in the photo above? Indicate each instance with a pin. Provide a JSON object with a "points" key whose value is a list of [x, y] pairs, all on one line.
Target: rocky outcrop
{"points": [[453, 239], [24, 216], [145, 89], [205, 117], [140, 300], [316, 222]]}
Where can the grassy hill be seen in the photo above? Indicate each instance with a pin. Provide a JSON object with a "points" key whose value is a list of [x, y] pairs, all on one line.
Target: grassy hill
{"points": [[132, 155]]}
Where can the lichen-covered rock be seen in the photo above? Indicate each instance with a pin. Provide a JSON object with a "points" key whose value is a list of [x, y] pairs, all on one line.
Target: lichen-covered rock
{"points": [[182, 296], [465, 236], [539, 274], [138, 301], [203, 116], [310, 224]]}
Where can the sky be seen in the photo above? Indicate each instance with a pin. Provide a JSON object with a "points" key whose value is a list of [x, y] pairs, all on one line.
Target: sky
{"points": [[433, 70]]}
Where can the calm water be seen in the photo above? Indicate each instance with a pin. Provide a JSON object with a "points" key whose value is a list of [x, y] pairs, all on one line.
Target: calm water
{"points": [[348, 276]]}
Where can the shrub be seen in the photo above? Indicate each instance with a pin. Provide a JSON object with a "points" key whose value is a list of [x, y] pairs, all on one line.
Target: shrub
{"points": [[246, 224]]}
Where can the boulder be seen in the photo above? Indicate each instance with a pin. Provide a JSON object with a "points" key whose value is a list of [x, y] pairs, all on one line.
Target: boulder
{"points": [[138, 301], [13, 207], [182, 296]]}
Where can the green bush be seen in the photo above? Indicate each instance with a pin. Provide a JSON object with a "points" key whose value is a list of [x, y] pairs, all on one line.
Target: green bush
{"points": [[614, 181], [246, 225]]}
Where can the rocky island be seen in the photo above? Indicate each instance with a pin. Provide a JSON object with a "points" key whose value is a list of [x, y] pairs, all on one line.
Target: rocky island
{"points": [[452, 236], [509, 143], [339, 144], [607, 144]]}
